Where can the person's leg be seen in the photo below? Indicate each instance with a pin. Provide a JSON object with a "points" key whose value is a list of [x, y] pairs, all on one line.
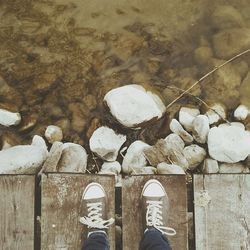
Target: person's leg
{"points": [[95, 217], [154, 239], [155, 207]]}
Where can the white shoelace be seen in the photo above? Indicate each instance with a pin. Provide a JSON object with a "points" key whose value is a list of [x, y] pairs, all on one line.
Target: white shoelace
{"points": [[94, 218], [154, 218]]}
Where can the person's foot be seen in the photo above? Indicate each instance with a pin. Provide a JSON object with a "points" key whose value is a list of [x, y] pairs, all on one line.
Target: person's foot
{"points": [[155, 207], [94, 206]]}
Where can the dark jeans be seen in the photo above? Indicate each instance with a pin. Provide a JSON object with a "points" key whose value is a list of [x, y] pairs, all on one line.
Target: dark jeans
{"points": [[152, 240]]}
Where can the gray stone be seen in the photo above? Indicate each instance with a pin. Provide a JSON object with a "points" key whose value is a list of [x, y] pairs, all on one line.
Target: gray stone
{"points": [[210, 166], [186, 117], [134, 157], [176, 128], [132, 105], [216, 113], [200, 128], [73, 158], [106, 143], [241, 113], [165, 168], [194, 155], [53, 133], [22, 159], [112, 167], [8, 118]]}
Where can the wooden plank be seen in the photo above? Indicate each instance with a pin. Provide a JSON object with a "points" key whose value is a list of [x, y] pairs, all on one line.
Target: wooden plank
{"points": [[61, 205], [17, 206], [175, 185], [222, 219]]}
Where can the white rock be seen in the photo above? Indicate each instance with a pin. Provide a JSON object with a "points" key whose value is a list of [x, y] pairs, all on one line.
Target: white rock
{"points": [[114, 167], [106, 143], [186, 117], [194, 155], [73, 158], [131, 105], [200, 128], [210, 166], [175, 141], [229, 144], [8, 118], [39, 142], [233, 168], [214, 117], [176, 128], [236, 124], [53, 133], [22, 159], [164, 168], [134, 157], [241, 113]]}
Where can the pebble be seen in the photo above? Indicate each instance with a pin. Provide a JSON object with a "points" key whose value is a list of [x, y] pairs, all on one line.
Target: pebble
{"points": [[176, 128], [215, 117], [163, 151], [53, 133], [8, 118], [22, 159], [210, 166], [134, 157], [186, 117], [200, 128], [233, 168], [125, 102], [73, 159], [113, 167], [106, 143], [175, 141], [241, 113], [228, 144], [165, 168], [194, 155]]}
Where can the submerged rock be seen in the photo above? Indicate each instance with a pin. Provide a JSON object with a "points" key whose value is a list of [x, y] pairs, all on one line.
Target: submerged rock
{"points": [[245, 90], [22, 159], [134, 157], [176, 128], [106, 143], [186, 117], [228, 144], [200, 128], [226, 17], [73, 158], [8, 118], [230, 42], [194, 155], [165, 168], [53, 133], [131, 105], [203, 54]]}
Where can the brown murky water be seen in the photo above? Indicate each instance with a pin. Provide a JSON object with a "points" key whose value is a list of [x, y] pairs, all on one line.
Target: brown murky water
{"points": [[59, 58]]}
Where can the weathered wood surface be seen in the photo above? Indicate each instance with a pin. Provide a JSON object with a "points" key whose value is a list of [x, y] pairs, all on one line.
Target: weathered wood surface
{"points": [[223, 223], [61, 205], [17, 208], [131, 209]]}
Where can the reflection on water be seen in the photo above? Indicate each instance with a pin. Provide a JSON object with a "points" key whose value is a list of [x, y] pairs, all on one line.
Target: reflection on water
{"points": [[59, 58]]}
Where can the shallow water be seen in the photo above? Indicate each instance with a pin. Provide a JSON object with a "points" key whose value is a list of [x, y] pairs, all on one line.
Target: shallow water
{"points": [[59, 58]]}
